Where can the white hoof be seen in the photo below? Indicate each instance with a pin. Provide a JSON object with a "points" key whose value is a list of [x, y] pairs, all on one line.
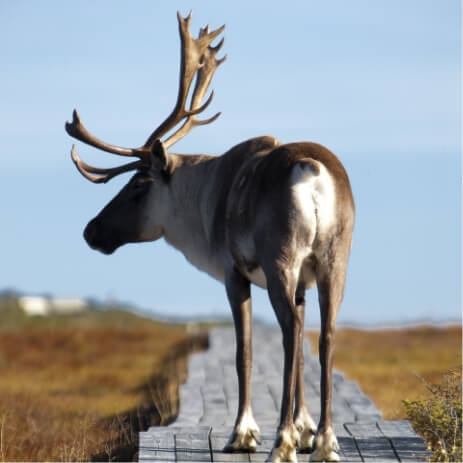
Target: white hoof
{"points": [[306, 428], [326, 447], [285, 446], [245, 435]]}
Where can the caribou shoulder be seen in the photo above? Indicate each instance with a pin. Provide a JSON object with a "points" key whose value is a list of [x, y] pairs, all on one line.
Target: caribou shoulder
{"points": [[233, 167]]}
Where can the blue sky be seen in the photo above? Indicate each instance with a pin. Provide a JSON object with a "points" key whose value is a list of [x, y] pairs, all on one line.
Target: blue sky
{"points": [[377, 82]]}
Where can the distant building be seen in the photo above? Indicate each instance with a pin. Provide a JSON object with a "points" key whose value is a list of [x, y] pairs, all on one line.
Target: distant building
{"points": [[38, 305], [60, 305], [33, 305]]}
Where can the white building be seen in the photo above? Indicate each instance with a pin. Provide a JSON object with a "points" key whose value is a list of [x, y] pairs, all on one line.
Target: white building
{"points": [[37, 305]]}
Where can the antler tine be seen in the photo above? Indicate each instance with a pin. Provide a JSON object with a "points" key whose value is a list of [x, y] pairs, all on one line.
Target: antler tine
{"points": [[77, 130], [192, 61], [209, 65], [102, 175]]}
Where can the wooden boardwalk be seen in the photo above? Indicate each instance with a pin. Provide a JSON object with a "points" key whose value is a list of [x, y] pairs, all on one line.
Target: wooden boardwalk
{"points": [[209, 398]]}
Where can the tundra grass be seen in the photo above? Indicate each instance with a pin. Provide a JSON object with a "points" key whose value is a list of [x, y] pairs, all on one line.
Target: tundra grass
{"points": [[80, 387], [389, 365]]}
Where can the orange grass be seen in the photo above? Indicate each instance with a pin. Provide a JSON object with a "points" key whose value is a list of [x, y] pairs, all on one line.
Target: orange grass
{"points": [[388, 364], [76, 388]]}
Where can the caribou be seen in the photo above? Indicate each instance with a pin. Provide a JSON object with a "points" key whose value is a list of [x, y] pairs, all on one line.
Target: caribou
{"points": [[277, 215]]}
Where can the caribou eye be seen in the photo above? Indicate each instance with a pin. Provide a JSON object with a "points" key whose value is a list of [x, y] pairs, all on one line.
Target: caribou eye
{"points": [[140, 187]]}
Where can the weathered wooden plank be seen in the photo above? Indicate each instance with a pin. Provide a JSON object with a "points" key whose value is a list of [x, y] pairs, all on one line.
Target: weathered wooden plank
{"points": [[407, 445], [192, 446], [376, 449], [410, 448], [400, 428], [218, 439], [371, 442], [349, 450], [363, 430], [213, 417], [156, 446]]}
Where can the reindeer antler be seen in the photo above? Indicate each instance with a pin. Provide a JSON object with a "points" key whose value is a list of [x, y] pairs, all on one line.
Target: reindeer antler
{"points": [[192, 60], [205, 73], [198, 58]]}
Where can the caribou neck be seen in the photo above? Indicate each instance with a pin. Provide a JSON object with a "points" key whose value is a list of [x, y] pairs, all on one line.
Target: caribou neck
{"points": [[187, 225]]}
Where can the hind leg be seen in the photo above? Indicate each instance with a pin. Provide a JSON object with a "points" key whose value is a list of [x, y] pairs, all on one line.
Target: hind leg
{"points": [[303, 421], [281, 288], [330, 290]]}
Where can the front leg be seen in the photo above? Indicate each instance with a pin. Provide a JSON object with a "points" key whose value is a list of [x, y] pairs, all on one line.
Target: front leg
{"points": [[246, 434]]}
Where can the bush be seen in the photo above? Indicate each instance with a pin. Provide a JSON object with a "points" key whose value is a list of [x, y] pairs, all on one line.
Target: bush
{"points": [[438, 418]]}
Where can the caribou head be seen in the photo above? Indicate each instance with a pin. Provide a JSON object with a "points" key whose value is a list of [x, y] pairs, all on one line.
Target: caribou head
{"points": [[125, 219]]}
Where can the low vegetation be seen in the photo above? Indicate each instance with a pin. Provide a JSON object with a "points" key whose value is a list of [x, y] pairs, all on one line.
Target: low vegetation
{"points": [[410, 374], [388, 364], [80, 387], [438, 418]]}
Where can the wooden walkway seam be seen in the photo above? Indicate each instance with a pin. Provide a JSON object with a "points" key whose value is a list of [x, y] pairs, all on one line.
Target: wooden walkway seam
{"points": [[209, 400]]}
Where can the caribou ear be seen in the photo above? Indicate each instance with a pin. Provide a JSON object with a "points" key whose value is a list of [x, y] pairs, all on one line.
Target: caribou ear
{"points": [[159, 156]]}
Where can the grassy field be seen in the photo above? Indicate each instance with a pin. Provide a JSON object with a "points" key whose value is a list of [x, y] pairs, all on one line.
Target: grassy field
{"points": [[80, 387], [388, 364]]}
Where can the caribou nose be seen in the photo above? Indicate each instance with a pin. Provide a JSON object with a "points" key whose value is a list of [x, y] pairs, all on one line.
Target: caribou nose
{"points": [[90, 232]]}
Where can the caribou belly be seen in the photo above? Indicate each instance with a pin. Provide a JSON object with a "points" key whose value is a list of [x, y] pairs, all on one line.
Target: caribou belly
{"points": [[257, 277], [307, 275]]}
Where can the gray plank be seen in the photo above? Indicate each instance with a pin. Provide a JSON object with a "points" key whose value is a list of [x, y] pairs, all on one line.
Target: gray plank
{"points": [[192, 446], [349, 450], [396, 428], [156, 446], [363, 430], [407, 445], [218, 439], [411, 448], [371, 442], [376, 449]]}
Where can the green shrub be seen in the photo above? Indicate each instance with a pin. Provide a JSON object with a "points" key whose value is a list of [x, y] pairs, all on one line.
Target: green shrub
{"points": [[438, 418]]}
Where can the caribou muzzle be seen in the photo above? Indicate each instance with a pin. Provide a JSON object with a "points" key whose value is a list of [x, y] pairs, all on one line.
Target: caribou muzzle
{"points": [[98, 240]]}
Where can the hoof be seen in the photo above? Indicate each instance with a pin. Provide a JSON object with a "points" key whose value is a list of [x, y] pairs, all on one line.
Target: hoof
{"points": [[326, 447], [285, 446], [307, 430], [244, 442], [245, 436]]}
